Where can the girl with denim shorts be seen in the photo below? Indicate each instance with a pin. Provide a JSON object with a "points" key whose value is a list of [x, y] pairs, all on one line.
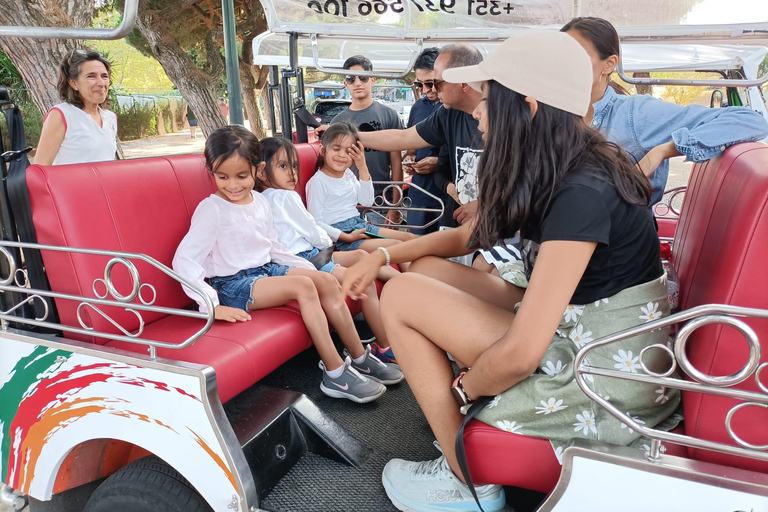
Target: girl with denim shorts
{"points": [[300, 234], [334, 192], [232, 243]]}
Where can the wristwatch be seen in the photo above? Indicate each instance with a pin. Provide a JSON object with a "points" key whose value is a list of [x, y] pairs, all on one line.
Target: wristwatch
{"points": [[458, 392]]}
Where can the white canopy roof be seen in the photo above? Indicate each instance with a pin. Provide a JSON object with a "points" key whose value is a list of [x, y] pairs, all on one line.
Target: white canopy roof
{"points": [[394, 55], [497, 19]]}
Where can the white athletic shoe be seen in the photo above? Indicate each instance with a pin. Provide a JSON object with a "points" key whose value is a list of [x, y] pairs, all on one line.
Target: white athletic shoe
{"points": [[431, 486]]}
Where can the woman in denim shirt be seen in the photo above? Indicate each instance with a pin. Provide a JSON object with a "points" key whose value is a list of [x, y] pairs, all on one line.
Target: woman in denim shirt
{"points": [[649, 129]]}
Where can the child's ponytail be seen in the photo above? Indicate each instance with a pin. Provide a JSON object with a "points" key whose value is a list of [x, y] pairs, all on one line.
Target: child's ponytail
{"points": [[342, 129]]}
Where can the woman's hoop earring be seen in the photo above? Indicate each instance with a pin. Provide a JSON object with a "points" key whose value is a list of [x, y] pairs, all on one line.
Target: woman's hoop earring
{"points": [[607, 79]]}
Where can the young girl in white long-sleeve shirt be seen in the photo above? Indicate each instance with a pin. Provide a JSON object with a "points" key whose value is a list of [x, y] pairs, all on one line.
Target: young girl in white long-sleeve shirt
{"points": [[298, 231], [334, 192], [232, 243]]}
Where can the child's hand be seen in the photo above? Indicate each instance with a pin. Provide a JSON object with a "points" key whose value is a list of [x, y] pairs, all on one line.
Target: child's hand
{"points": [[357, 152], [230, 314], [354, 236]]}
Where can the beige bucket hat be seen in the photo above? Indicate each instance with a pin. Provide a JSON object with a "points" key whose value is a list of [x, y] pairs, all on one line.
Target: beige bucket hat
{"points": [[547, 65]]}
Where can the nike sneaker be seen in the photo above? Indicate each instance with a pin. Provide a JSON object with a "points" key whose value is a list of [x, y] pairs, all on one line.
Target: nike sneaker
{"points": [[351, 385], [374, 369]]}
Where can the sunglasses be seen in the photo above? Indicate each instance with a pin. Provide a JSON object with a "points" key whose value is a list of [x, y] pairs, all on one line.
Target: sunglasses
{"points": [[430, 84], [77, 51], [350, 79]]}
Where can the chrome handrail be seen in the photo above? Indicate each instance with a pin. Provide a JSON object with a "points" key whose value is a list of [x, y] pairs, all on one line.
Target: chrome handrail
{"points": [[670, 194], [342, 71], [126, 25], [381, 203], [701, 82], [702, 382], [17, 281]]}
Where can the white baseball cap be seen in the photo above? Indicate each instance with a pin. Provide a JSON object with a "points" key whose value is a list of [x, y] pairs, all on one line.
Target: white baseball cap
{"points": [[547, 65]]}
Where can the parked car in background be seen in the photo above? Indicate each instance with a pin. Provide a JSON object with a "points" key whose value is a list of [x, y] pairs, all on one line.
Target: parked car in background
{"points": [[325, 110]]}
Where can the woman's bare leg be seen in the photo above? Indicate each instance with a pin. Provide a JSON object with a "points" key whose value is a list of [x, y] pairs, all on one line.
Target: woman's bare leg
{"points": [[277, 291], [396, 234], [371, 309], [414, 311], [328, 289], [470, 280]]}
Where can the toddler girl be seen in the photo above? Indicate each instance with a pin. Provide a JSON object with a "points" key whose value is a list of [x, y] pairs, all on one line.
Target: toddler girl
{"points": [[301, 235], [232, 243], [334, 192]]}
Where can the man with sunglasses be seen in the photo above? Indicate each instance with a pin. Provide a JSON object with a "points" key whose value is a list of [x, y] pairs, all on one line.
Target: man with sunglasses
{"points": [[371, 116], [451, 127], [423, 162]]}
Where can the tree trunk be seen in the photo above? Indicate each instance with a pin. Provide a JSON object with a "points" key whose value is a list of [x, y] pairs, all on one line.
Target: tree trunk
{"points": [[248, 83], [194, 85], [643, 89], [38, 59]]}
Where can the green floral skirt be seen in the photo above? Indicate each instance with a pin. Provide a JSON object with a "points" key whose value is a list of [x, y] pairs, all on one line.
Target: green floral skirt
{"points": [[549, 403]]}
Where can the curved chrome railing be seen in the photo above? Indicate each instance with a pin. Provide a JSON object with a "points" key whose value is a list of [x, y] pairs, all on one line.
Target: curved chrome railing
{"points": [[381, 203], [667, 204], [105, 294], [701, 381]]}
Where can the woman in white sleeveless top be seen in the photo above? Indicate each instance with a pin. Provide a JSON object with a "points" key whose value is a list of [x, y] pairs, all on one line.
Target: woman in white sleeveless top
{"points": [[79, 130]]}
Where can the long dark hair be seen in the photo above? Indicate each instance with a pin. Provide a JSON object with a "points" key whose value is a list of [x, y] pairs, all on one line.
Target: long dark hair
{"points": [[228, 140], [526, 159], [603, 35], [70, 67], [270, 147], [342, 129]]}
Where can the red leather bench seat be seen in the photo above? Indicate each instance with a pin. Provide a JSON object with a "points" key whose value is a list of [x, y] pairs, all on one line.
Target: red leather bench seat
{"points": [[721, 253], [145, 206]]}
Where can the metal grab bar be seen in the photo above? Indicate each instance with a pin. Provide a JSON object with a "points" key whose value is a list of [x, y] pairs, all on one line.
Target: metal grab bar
{"points": [[702, 315], [117, 300], [342, 71], [126, 25], [703, 82], [403, 205]]}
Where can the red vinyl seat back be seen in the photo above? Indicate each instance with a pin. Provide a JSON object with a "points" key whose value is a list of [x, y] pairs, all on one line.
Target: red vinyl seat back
{"points": [[721, 255], [144, 207], [308, 154]]}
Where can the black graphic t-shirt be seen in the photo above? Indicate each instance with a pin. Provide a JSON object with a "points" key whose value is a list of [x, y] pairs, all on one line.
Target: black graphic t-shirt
{"points": [[588, 208], [462, 145], [373, 119], [458, 131]]}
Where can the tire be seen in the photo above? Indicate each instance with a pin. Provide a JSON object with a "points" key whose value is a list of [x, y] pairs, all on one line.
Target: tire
{"points": [[146, 485]]}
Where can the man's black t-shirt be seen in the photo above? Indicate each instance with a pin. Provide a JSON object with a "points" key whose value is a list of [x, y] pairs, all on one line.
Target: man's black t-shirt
{"points": [[588, 208], [457, 131]]}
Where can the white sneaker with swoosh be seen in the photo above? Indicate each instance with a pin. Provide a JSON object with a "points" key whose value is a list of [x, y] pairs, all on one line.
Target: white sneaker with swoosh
{"points": [[351, 385]]}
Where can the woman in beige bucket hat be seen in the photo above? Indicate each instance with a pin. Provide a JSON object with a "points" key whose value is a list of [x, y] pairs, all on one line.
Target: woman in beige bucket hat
{"points": [[580, 206]]}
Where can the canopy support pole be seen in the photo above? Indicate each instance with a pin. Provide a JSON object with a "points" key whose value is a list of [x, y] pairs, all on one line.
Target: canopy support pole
{"points": [[230, 58]]}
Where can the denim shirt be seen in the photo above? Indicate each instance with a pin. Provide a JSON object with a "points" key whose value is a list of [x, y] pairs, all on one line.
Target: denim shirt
{"points": [[640, 122]]}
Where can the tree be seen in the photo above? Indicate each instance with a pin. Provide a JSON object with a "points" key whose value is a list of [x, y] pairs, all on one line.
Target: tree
{"points": [[156, 22], [38, 59]]}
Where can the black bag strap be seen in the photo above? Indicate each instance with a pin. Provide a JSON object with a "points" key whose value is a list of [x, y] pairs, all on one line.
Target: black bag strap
{"points": [[461, 454], [18, 196]]}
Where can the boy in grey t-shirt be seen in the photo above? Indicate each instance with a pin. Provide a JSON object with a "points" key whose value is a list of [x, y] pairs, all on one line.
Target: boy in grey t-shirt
{"points": [[370, 116]]}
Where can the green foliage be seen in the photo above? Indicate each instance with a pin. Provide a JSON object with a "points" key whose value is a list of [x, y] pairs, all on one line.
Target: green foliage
{"points": [[33, 120], [135, 121]]}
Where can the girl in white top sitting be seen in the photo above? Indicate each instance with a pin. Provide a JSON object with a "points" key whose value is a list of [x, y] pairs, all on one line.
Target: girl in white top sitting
{"points": [[233, 245], [79, 130], [334, 192], [298, 231]]}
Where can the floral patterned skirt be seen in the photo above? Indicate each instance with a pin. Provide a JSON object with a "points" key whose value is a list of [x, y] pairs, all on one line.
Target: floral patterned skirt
{"points": [[549, 403]]}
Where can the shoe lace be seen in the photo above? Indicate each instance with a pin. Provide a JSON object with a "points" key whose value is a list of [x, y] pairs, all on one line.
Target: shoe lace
{"points": [[430, 468]]}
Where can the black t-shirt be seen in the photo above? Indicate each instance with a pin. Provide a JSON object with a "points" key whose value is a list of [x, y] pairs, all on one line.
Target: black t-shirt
{"points": [[463, 144], [588, 208]]}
